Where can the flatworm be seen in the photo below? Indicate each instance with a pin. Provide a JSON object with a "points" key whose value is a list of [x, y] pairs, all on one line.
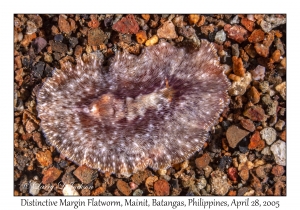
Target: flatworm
{"points": [[151, 110]]}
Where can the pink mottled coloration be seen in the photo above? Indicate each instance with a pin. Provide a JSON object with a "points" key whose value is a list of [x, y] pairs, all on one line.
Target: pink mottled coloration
{"points": [[155, 109]]}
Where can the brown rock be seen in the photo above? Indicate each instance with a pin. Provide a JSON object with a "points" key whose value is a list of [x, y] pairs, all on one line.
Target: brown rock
{"points": [[278, 170], [256, 142], [236, 32], [146, 17], [263, 49], [127, 24], [78, 51], [254, 95], [219, 183], [207, 29], [247, 124], [140, 176], [232, 193], [238, 67], [161, 188], [64, 25], [255, 113], [94, 23], [248, 24], [50, 175], [167, 31], [202, 161], [141, 37], [234, 135], [37, 138], [244, 174], [279, 187], [85, 174], [44, 158], [123, 187], [96, 37], [193, 19], [250, 50], [276, 56], [31, 126], [201, 21], [98, 191], [257, 35], [150, 183], [283, 135], [58, 46], [256, 184]]}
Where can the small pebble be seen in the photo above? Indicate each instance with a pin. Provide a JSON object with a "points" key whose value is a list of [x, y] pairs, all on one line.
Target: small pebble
{"points": [[167, 31], [235, 50], [50, 175], [281, 88], [220, 37], [258, 73], [278, 170], [44, 158], [193, 19], [256, 36], [70, 190], [236, 32], [152, 41], [240, 87], [138, 192], [266, 151], [161, 188], [255, 113], [234, 135], [201, 183], [279, 125], [123, 187], [202, 161], [256, 142], [269, 135], [278, 149], [34, 188], [141, 37], [127, 24], [219, 184], [85, 174], [254, 95], [73, 41]]}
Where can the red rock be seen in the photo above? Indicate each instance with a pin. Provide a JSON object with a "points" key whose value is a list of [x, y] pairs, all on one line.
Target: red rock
{"points": [[167, 31], [255, 113], [161, 188], [127, 24], [85, 174], [256, 142], [257, 35], [233, 174], [94, 23], [236, 32], [123, 187], [263, 49], [254, 95], [64, 25], [234, 135], [248, 24], [44, 158], [203, 161], [141, 37], [238, 67], [278, 170], [96, 37], [50, 175], [247, 124]]}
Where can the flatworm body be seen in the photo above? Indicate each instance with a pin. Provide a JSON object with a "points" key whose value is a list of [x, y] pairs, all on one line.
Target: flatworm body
{"points": [[151, 110]]}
